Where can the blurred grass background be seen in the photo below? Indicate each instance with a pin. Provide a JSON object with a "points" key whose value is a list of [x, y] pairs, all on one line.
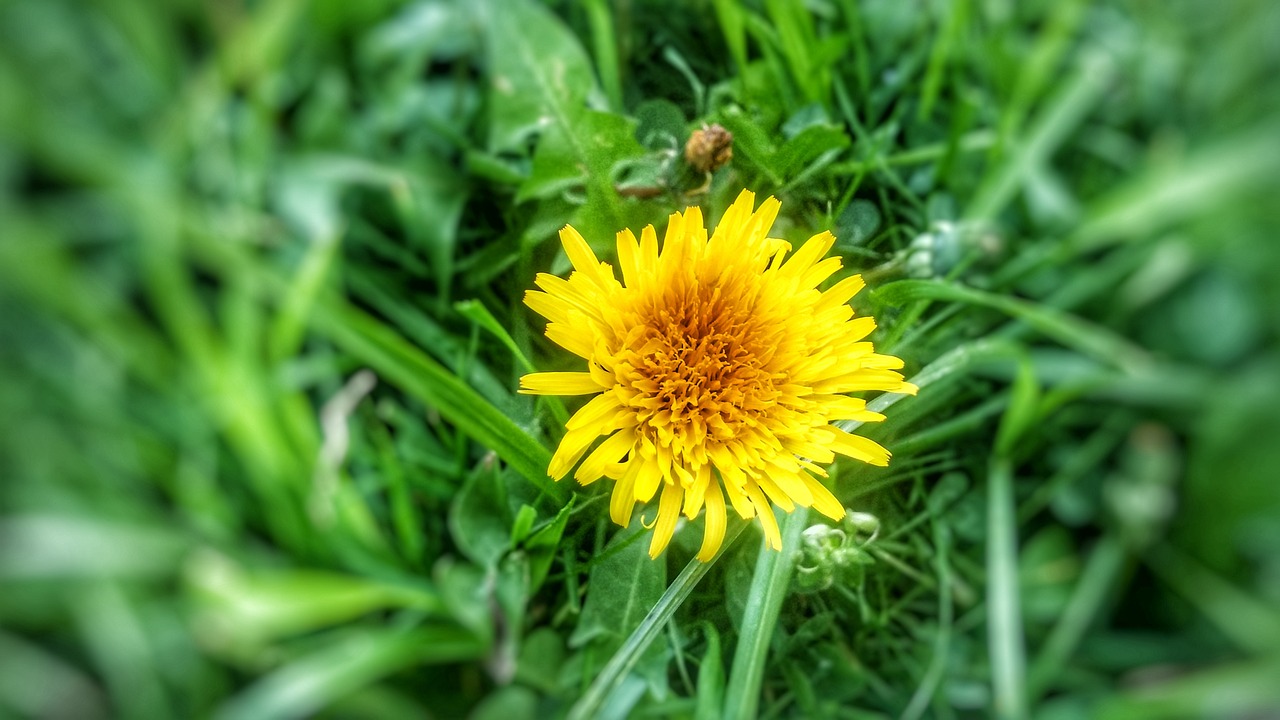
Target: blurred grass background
{"points": [[260, 326]]}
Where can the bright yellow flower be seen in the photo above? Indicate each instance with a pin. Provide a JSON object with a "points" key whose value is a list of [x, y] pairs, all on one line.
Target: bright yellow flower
{"points": [[717, 368]]}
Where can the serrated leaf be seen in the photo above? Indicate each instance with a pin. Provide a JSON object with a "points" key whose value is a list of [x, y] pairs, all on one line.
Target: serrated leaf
{"points": [[568, 157]]}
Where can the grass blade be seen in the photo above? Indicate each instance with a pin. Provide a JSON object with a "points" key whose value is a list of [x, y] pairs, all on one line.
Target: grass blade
{"points": [[394, 358], [625, 659], [1004, 612]]}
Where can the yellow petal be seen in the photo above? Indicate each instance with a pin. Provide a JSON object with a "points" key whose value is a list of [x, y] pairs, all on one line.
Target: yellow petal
{"points": [[858, 328], [581, 297], [559, 383], [808, 448], [741, 504], [858, 447], [548, 306], [628, 258], [580, 253], [767, 519], [823, 501], [574, 444], [819, 272], [775, 493], [598, 413], [791, 484], [713, 536], [647, 479], [841, 293], [730, 225], [571, 339], [668, 513], [609, 451], [648, 251], [839, 407], [811, 252], [702, 484], [880, 362], [674, 242], [757, 227], [622, 501], [858, 380]]}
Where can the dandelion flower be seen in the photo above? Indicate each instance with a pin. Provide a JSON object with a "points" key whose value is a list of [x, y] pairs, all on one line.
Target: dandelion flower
{"points": [[718, 368]]}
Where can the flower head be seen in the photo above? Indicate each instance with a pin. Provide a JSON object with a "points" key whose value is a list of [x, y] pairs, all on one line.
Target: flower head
{"points": [[717, 368]]}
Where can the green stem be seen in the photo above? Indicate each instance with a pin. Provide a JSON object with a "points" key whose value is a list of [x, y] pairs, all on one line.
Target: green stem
{"points": [[764, 601]]}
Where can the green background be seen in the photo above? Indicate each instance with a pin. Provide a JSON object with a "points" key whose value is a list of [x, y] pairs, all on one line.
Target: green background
{"points": [[260, 329]]}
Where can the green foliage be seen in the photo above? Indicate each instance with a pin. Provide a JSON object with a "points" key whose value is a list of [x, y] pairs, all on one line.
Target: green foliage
{"points": [[261, 270]]}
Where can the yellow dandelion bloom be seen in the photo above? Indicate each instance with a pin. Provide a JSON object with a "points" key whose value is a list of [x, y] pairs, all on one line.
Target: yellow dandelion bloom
{"points": [[717, 367]]}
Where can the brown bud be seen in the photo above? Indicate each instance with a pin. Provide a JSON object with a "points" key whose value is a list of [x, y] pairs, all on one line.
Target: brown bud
{"points": [[709, 149]]}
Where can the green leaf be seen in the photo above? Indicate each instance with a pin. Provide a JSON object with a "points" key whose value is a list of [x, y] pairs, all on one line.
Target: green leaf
{"points": [[525, 517], [809, 147], [710, 693], [352, 661], [661, 125], [568, 159], [246, 607], [539, 74], [1006, 644], [614, 676], [620, 590], [543, 544], [48, 546], [480, 518], [857, 223], [751, 142], [476, 312], [541, 657], [509, 703], [466, 593], [1235, 689]]}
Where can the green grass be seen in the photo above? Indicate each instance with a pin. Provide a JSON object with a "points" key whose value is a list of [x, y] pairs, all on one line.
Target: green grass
{"points": [[261, 270]]}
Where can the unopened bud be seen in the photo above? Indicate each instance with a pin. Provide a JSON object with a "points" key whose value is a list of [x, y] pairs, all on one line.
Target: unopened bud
{"points": [[709, 149]]}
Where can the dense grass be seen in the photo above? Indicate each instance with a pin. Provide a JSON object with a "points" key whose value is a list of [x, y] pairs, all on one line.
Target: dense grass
{"points": [[260, 327]]}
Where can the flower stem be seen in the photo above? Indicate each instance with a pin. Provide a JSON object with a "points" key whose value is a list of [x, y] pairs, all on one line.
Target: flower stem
{"points": [[764, 601]]}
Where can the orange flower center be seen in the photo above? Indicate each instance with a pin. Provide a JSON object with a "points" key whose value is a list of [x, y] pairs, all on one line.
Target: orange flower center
{"points": [[697, 367]]}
